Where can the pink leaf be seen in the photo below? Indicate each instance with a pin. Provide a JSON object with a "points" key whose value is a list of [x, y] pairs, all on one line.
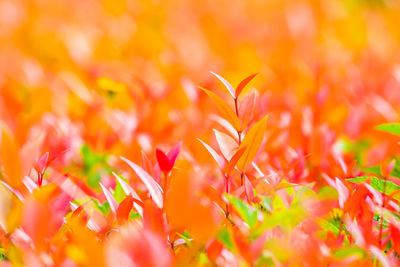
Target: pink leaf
{"points": [[220, 161], [227, 144], [153, 187], [248, 189], [226, 83], [174, 152], [110, 199]]}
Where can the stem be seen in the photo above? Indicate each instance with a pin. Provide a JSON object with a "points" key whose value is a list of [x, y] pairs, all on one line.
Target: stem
{"points": [[239, 135], [227, 191], [381, 217], [165, 186]]}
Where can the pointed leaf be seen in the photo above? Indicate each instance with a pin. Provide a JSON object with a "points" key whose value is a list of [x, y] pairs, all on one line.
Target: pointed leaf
{"points": [[110, 199], [224, 108], [231, 164], [227, 144], [246, 108], [228, 86], [163, 161], [153, 187], [393, 128], [124, 209], [248, 189], [129, 191], [243, 83], [220, 161], [174, 152], [252, 141]]}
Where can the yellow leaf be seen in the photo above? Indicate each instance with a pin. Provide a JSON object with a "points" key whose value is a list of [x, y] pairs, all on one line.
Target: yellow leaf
{"points": [[252, 142], [224, 108]]}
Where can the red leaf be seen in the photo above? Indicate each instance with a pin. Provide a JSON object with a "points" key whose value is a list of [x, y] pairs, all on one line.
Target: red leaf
{"points": [[163, 161], [174, 152], [124, 208], [41, 163], [243, 83]]}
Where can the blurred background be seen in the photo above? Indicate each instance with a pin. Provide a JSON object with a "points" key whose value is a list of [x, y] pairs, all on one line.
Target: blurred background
{"points": [[123, 76]]}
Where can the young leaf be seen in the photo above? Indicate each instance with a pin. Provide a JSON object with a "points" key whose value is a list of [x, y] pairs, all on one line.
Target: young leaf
{"points": [[110, 199], [224, 108], [227, 144], [228, 86], [396, 169], [231, 164], [244, 210], [252, 141], [246, 108], [243, 83], [174, 152], [129, 191], [163, 161], [124, 208], [248, 189], [393, 128], [154, 188], [220, 161]]}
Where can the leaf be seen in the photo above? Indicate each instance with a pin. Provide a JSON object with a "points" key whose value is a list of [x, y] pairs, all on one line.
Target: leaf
{"points": [[243, 83], [358, 180], [174, 152], [252, 141], [396, 169], [373, 169], [227, 144], [220, 161], [224, 108], [163, 161], [246, 108], [124, 209], [228, 86], [231, 164], [380, 186], [244, 210], [248, 189], [10, 158], [110, 199], [154, 188], [393, 128]]}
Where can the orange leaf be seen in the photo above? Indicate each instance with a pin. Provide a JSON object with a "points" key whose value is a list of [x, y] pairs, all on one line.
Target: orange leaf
{"points": [[252, 141], [243, 83], [231, 164], [10, 159], [224, 108]]}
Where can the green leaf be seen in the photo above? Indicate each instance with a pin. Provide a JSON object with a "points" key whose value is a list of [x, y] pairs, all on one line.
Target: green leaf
{"points": [[396, 169], [244, 210], [374, 170], [358, 180], [224, 236], [393, 128], [379, 185], [350, 251]]}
